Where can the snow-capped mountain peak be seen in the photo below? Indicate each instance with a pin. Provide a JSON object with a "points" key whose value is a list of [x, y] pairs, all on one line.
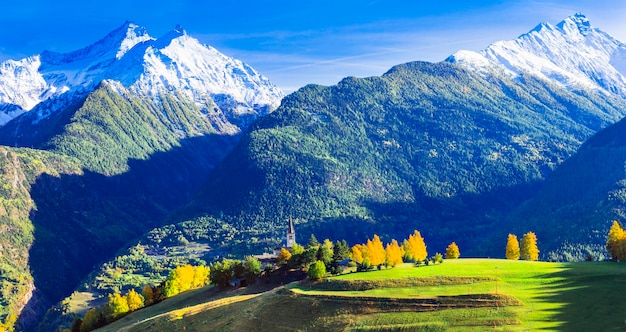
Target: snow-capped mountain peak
{"points": [[577, 22], [142, 64], [134, 35], [571, 53]]}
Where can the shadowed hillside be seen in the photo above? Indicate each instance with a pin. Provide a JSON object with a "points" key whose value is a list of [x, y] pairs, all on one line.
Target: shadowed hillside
{"points": [[426, 146]]}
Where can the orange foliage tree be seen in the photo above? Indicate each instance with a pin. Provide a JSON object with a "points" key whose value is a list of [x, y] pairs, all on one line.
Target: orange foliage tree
{"points": [[452, 251], [376, 251], [415, 247], [528, 247], [394, 253]]}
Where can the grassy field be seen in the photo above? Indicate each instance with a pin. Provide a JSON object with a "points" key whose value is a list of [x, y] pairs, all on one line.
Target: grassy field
{"points": [[458, 295]]}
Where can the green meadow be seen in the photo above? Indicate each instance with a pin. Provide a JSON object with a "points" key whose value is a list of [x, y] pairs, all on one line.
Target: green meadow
{"points": [[458, 295]]}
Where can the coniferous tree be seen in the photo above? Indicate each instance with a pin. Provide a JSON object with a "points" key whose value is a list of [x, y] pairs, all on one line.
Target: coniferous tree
{"points": [[341, 251], [452, 251], [376, 251], [416, 247], [614, 239], [528, 247], [512, 247], [393, 253], [310, 255], [313, 241]]}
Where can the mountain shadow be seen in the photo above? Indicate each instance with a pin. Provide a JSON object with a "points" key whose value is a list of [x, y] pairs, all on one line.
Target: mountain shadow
{"points": [[586, 297], [81, 220], [467, 219]]}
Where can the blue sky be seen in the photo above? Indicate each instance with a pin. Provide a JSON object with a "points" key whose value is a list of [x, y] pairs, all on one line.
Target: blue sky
{"points": [[294, 42]]}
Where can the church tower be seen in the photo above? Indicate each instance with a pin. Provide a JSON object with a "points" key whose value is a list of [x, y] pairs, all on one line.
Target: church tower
{"points": [[291, 234]]}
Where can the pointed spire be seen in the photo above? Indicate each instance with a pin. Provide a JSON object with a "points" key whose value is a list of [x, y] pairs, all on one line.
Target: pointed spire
{"points": [[291, 229]]}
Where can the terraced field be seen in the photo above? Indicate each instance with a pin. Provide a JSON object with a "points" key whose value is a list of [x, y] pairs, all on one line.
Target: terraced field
{"points": [[458, 295]]}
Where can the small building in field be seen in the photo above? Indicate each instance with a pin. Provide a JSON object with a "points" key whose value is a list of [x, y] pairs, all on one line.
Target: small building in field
{"points": [[241, 282]]}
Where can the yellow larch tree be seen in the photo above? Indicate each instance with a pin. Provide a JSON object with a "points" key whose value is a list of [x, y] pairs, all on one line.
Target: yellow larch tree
{"points": [[356, 253], [416, 247], [376, 251], [528, 247], [394, 253], [614, 239], [512, 247], [452, 251]]}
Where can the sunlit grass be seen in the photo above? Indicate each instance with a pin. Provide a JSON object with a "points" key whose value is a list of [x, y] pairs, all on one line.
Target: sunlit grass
{"points": [[550, 297]]}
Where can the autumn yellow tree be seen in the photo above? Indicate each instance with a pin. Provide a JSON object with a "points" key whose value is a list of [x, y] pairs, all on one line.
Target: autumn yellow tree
{"points": [[117, 305], [394, 253], [452, 251], [200, 276], [615, 240], [283, 257], [356, 253], [376, 251], [416, 247], [134, 300], [512, 247], [528, 247], [184, 278]]}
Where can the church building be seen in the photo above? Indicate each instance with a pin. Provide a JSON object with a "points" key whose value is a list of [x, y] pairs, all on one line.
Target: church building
{"points": [[291, 235]]}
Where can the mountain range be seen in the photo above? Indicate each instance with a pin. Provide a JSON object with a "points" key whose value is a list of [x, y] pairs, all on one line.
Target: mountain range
{"points": [[135, 135], [137, 123]]}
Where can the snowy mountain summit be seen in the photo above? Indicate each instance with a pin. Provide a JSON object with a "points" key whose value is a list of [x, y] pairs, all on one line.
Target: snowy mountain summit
{"points": [[573, 54], [129, 58]]}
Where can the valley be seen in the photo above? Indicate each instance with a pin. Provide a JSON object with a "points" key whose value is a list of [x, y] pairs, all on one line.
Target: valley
{"points": [[134, 155]]}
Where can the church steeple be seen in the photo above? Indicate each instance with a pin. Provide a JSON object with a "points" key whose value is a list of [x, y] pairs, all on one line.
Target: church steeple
{"points": [[291, 234]]}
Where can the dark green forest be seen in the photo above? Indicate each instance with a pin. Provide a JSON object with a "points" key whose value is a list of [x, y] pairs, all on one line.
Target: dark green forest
{"points": [[425, 146]]}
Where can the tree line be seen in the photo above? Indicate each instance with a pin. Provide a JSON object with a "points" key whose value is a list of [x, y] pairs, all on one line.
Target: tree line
{"points": [[525, 249], [318, 259], [180, 279]]}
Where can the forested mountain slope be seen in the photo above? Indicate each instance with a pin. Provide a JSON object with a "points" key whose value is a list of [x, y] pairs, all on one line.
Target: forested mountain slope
{"points": [[428, 146], [19, 171], [578, 203], [141, 121]]}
